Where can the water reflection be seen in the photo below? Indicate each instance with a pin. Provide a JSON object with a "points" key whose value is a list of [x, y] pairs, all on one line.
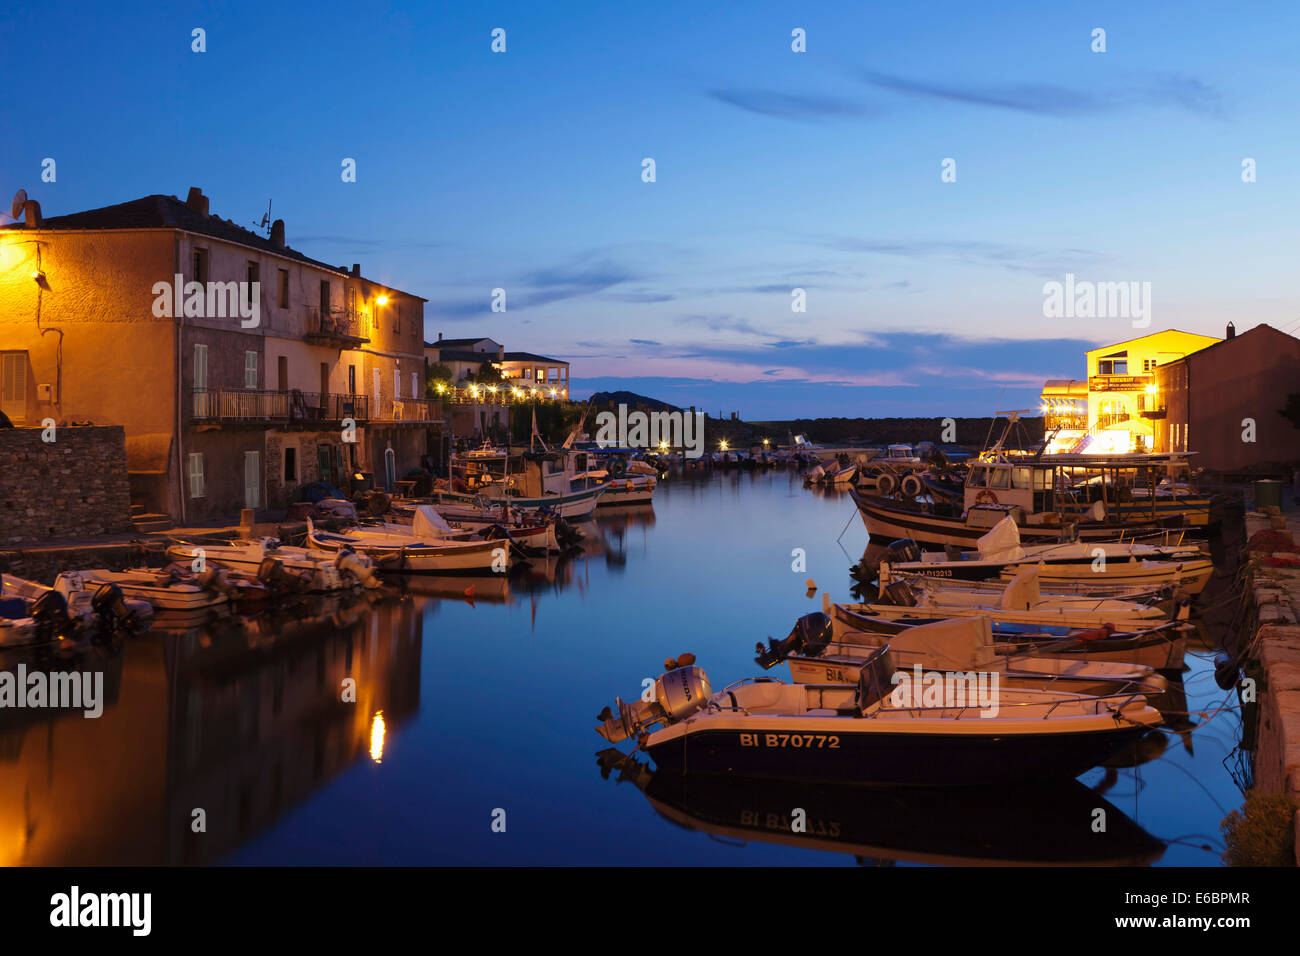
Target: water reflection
{"points": [[1053, 825], [239, 718]]}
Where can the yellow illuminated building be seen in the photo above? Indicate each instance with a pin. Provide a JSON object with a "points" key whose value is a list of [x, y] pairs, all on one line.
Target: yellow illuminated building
{"points": [[1114, 409]]}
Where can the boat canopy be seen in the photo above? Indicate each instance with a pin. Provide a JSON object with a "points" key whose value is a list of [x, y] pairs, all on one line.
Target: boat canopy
{"points": [[427, 523], [959, 644], [1001, 543], [1022, 592]]}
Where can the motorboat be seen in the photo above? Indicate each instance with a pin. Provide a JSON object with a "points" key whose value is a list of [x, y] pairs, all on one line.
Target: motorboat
{"points": [[1161, 647], [282, 566], [173, 588], [32, 613], [960, 646], [538, 529], [531, 480], [860, 733], [999, 553], [422, 548]]}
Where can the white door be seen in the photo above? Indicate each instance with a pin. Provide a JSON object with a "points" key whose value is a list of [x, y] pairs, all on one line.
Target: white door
{"points": [[252, 479]]}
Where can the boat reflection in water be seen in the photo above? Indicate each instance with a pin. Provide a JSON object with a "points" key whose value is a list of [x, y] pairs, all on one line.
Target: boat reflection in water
{"points": [[242, 719], [987, 826]]}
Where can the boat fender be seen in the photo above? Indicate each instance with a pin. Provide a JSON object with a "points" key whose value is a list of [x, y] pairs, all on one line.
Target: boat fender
{"points": [[886, 483], [1095, 634], [912, 486]]}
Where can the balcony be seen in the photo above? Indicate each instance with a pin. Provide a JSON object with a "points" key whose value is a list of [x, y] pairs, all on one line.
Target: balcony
{"points": [[338, 328], [415, 410], [251, 406]]}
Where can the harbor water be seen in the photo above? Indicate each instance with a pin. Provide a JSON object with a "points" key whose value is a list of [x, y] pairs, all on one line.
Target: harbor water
{"points": [[436, 726]]}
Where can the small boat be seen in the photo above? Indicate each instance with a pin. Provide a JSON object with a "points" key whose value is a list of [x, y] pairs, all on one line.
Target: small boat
{"points": [[173, 588], [860, 733], [1000, 554], [420, 549], [540, 528], [281, 566], [960, 646], [1161, 647], [1020, 601], [32, 613]]}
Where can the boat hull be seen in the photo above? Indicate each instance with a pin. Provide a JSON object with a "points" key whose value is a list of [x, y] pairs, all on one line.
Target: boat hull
{"points": [[888, 757]]}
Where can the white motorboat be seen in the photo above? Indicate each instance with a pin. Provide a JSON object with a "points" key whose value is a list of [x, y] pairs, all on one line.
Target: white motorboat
{"points": [[270, 562], [164, 589], [422, 548], [70, 606], [862, 733]]}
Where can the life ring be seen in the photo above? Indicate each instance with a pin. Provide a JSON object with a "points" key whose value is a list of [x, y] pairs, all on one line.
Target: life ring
{"points": [[986, 497], [912, 486], [886, 483]]}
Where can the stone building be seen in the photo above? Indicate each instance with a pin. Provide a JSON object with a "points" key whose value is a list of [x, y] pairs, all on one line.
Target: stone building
{"points": [[240, 368]]}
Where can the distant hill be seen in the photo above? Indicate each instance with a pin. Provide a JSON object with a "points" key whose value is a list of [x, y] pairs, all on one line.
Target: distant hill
{"points": [[632, 400]]}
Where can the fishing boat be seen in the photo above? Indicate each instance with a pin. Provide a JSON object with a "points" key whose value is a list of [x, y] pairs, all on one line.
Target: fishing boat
{"points": [[419, 549], [1161, 646], [282, 566], [531, 480], [999, 553], [1020, 600], [540, 529], [960, 646], [858, 733]]}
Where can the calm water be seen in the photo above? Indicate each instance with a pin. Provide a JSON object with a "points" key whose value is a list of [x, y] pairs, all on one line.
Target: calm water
{"points": [[466, 708]]}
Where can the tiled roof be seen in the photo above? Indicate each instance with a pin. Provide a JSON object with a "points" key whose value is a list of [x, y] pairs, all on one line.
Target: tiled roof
{"points": [[530, 357]]}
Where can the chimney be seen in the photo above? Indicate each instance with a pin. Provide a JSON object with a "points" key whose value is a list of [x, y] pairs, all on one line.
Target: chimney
{"points": [[356, 270], [1232, 331], [277, 233], [439, 336], [32, 214], [197, 201]]}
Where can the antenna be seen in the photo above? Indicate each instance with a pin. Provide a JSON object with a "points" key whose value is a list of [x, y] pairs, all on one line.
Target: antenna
{"points": [[265, 224], [20, 200]]}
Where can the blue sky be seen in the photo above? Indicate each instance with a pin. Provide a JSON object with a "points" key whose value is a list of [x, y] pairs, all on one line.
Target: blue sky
{"points": [[775, 170]]}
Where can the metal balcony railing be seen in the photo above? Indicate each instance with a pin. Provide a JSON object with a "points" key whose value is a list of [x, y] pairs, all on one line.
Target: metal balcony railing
{"points": [[342, 325], [276, 407]]}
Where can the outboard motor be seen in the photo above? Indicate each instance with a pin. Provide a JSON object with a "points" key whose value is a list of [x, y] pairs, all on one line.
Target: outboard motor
{"points": [[273, 573], [566, 534], [677, 694], [50, 611], [214, 579], [810, 635], [898, 593], [111, 608], [360, 568], [902, 551]]}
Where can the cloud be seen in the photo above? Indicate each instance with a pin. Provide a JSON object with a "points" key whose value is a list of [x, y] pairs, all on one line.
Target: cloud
{"points": [[644, 342], [1044, 99], [792, 106], [1042, 262]]}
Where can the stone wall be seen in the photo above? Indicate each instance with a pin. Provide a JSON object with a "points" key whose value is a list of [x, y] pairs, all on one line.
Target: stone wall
{"points": [[73, 486]]}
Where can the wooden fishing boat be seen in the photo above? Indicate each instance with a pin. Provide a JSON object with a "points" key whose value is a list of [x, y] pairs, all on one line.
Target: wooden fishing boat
{"points": [[411, 554]]}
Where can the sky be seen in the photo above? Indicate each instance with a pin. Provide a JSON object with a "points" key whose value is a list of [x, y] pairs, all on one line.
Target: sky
{"points": [[774, 170]]}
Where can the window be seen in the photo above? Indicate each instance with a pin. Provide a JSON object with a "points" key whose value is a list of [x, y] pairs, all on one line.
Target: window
{"points": [[200, 265], [290, 463], [352, 379], [196, 475], [1112, 367], [324, 297], [250, 370], [376, 408], [254, 273], [13, 385], [397, 383], [415, 385], [282, 291], [252, 479], [1148, 364]]}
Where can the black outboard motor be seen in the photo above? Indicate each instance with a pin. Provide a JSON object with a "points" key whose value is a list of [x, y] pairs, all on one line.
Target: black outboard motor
{"points": [[902, 551], [809, 636], [566, 534], [110, 607], [273, 573], [898, 593], [50, 611]]}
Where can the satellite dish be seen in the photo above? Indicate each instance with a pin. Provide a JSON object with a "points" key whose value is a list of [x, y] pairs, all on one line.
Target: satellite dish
{"points": [[20, 200]]}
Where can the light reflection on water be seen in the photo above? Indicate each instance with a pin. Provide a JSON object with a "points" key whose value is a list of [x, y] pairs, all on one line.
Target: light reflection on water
{"points": [[474, 696]]}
